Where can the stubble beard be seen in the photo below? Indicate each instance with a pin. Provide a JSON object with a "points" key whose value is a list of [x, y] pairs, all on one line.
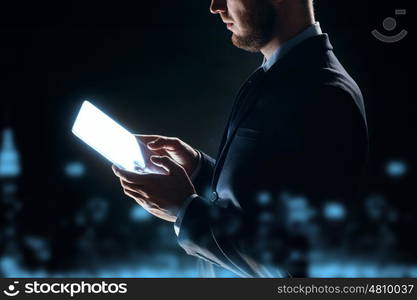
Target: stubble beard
{"points": [[259, 32]]}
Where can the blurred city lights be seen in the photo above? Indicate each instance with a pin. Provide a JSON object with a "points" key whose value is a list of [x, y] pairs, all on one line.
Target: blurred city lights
{"points": [[74, 169], [264, 198], [138, 214], [9, 157], [396, 168], [334, 211]]}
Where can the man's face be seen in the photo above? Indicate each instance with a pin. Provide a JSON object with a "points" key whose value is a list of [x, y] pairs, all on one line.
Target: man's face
{"points": [[250, 21]]}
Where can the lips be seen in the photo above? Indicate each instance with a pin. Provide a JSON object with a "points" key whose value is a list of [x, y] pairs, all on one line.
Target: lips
{"points": [[229, 23]]}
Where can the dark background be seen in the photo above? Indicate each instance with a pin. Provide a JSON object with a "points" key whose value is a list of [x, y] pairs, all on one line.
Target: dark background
{"points": [[166, 67]]}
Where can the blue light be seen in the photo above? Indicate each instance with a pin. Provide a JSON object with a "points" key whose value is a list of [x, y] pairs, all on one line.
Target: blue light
{"points": [[351, 270], [298, 209], [75, 169], [393, 270], [264, 198], [396, 168], [223, 273], [155, 267], [9, 157], [10, 267], [325, 269], [369, 271], [334, 211], [413, 272], [39, 246], [138, 214]]}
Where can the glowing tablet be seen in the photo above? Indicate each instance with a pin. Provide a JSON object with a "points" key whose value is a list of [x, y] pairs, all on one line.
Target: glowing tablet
{"points": [[108, 138]]}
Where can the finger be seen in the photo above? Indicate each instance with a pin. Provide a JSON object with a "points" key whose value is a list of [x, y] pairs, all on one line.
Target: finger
{"points": [[146, 204], [135, 178], [146, 138], [134, 188], [143, 140], [163, 142], [124, 183], [136, 197], [167, 163], [122, 174]]}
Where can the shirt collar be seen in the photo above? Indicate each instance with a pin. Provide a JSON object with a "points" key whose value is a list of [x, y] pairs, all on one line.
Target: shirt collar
{"points": [[310, 31]]}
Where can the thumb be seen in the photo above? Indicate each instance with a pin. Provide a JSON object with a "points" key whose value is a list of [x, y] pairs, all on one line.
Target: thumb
{"points": [[167, 163], [164, 143]]}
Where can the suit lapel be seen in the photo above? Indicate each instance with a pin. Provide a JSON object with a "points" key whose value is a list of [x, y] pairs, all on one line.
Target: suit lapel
{"points": [[252, 96], [228, 127], [316, 44]]}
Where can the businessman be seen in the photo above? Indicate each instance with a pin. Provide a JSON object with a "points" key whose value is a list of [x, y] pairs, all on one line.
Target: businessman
{"points": [[297, 127]]}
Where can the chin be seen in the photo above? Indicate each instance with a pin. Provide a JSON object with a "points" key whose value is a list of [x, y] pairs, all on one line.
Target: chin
{"points": [[245, 43]]}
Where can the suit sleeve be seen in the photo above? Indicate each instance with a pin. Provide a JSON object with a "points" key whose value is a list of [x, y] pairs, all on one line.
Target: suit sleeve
{"points": [[321, 159], [202, 179]]}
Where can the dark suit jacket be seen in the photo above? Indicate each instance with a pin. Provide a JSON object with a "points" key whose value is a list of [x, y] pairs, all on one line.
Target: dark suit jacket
{"points": [[299, 132]]}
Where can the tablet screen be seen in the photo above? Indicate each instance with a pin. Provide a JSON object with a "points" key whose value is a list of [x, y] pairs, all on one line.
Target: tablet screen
{"points": [[108, 138]]}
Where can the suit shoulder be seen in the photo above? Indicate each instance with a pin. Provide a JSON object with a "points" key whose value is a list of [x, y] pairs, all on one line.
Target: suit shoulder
{"points": [[338, 84]]}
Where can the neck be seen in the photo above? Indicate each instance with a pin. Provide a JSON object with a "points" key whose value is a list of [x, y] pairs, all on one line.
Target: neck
{"points": [[287, 28]]}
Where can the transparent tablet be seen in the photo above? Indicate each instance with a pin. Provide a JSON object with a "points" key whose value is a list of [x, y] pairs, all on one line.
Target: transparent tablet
{"points": [[108, 138]]}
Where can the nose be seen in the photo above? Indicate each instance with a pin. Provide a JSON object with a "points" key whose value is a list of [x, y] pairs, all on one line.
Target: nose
{"points": [[218, 6]]}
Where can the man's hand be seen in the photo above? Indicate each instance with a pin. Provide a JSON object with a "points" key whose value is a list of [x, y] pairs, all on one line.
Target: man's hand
{"points": [[160, 195], [174, 148]]}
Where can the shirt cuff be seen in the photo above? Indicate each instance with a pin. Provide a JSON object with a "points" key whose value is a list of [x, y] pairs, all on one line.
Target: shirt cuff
{"points": [[196, 170], [181, 213]]}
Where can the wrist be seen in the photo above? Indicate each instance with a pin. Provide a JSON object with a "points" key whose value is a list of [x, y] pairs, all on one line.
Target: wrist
{"points": [[181, 213], [196, 159], [196, 166]]}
